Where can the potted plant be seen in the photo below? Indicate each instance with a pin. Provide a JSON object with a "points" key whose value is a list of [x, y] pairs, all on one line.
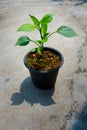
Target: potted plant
{"points": [[43, 62]]}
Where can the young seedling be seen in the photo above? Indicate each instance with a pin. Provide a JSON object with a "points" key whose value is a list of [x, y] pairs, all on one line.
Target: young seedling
{"points": [[42, 27]]}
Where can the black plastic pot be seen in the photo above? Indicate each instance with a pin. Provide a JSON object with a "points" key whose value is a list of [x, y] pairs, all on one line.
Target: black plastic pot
{"points": [[45, 79]]}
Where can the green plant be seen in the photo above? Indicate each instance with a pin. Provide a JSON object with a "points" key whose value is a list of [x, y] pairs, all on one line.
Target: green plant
{"points": [[42, 27]]}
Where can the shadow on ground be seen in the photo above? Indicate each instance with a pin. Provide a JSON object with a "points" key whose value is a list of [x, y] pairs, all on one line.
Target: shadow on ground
{"points": [[58, 0], [31, 94], [81, 122], [81, 2]]}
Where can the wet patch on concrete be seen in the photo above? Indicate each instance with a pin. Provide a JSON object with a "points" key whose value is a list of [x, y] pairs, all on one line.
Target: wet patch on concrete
{"points": [[7, 80]]}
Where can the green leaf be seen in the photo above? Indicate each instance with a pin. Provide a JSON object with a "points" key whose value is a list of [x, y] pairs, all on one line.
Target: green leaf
{"points": [[44, 40], [46, 35], [33, 50], [66, 31], [23, 41], [44, 29], [35, 20], [27, 27], [47, 18], [38, 41], [39, 50]]}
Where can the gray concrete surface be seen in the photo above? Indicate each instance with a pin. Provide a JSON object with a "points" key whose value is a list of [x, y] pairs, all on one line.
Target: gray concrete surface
{"points": [[24, 107]]}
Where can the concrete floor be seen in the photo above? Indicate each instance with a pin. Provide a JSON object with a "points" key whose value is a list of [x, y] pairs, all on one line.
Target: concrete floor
{"points": [[22, 105]]}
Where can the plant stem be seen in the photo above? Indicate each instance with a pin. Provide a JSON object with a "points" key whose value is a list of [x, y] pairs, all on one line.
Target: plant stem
{"points": [[51, 34], [41, 37], [41, 34], [35, 42]]}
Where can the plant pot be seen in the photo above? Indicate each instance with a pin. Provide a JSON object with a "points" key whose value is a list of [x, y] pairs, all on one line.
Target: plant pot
{"points": [[45, 79]]}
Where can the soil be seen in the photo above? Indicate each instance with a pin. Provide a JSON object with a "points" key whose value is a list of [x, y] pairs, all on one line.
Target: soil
{"points": [[46, 61]]}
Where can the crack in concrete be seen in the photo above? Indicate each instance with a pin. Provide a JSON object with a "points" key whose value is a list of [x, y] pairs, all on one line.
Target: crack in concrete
{"points": [[74, 105], [80, 54], [81, 70], [72, 109]]}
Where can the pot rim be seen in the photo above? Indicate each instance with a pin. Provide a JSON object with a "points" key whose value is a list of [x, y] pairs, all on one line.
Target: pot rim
{"points": [[40, 71]]}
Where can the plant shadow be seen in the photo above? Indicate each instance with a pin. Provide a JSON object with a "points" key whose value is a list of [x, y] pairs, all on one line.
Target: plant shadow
{"points": [[58, 0], [32, 95], [81, 2], [81, 122]]}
